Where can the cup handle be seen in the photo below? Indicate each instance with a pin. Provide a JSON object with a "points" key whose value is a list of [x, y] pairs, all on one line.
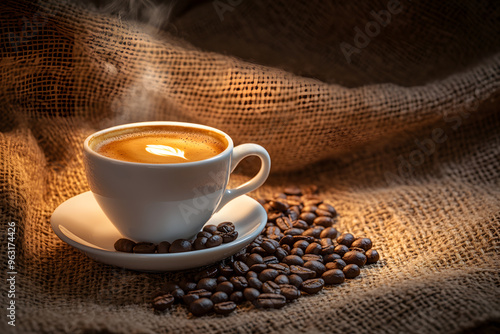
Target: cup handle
{"points": [[239, 153]]}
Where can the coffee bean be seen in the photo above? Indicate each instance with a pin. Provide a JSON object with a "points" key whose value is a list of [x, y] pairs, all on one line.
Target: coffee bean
{"points": [[124, 245], [281, 279], [268, 275], [187, 285], [199, 243], [254, 259], [325, 242], [270, 300], [345, 239], [293, 212], [304, 273], [297, 251], [258, 267], [284, 223], [310, 208], [323, 213], [312, 257], [239, 282], [292, 191], [333, 276], [307, 239], [279, 195], [180, 245], [226, 287], [221, 279], [279, 205], [226, 227], [281, 268], [336, 264], [237, 297], [302, 244], [280, 253], [364, 243], [323, 221], [329, 232], [286, 240], [300, 224], [210, 229], [354, 257], [308, 217], [290, 291], [312, 286], [163, 247], [219, 297], [327, 250], [268, 246], [293, 231], [329, 208], [209, 284], [341, 249], [251, 274], [201, 306], [293, 260], [251, 294], [240, 268], [315, 266], [295, 280], [211, 271], [226, 271], [372, 256], [313, 248], [177, 294], [270, 259], [255, 283], [331, 257], [225, 307], [161, 303], [144, 248], [214, 241], [270, 287], [272, 216], [309, 190], [273, 230], [351, 270], [229, 236], [202, 234]]}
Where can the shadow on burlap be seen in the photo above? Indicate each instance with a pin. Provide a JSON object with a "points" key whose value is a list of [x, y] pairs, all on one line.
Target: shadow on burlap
{"points": [[403, 140]]}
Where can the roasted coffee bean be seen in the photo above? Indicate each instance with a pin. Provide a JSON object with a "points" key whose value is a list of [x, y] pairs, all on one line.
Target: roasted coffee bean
{"points": [[209, 284], [293, 212], [268, 275], [258, 267], [287, 240], [292, 191], [170, 286], [163, 247], [293, 260], [225, 307], [259, 250], [284, 223], [329, 232], [187, 286], [293, 201], [237, 297], [279, 205], [312, 286], [210, 229], [295, 280], [327, 250], [214, 241], [226, 287], [268, 246], [239, 282], [202, 293], [281, 268], [189, 298], [144, 248], [202, 234], [254, 259], [345, 239], [313, 232], [329, 208], [270, 259], [312, 257], [310, 208], [308, 217], [305, 238], [310, 190], [323, 213], [251, 274], [251, 294], [274, 242], [325, 242], [357, 249], [323, 221], [180, 245], [315, 266], [300, 224], [255, 283], [354, 257], [240, 268], [226, 227], [161, 303], [272, 216], [200, 243], [270, 287], [364, 243], [229, 236], [297, 251], [275, 237], [279, 196], [351, 271], [219, 297], [221, 279], [333, 276], [313, 248], [336, 264], [331, 257], [280, 253], [226, 271], [242, 257], [302, 244], [304, 273], [211, 271], [341, 249], [290, 291], [281, 279], [201, 306], [270, 300], [177, 294], [286, 248], [293, 231], [372, 256]]}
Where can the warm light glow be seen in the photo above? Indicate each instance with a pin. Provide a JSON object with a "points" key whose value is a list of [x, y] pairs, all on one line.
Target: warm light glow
{"points": [[164, 150]]}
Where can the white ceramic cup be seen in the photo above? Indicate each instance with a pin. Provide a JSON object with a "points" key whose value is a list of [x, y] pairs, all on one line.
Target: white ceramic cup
{"points": [[165, 202]]}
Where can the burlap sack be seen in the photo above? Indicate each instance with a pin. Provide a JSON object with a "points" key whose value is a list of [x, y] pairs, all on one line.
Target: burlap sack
{"points": [[397, 125]]}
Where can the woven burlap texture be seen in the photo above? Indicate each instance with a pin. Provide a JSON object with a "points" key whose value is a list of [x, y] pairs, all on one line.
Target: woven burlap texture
{"points": [[402, 138]]}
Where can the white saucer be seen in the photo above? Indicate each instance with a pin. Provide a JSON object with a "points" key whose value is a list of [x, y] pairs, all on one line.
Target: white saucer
{"points": [[80, 222]]}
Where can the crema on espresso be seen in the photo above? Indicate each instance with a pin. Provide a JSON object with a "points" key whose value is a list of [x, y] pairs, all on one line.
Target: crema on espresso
{"points": [[161, 144]]}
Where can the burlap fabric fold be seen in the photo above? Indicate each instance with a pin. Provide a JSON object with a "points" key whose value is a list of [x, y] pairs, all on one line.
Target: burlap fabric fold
{"points": [[397, 125]]}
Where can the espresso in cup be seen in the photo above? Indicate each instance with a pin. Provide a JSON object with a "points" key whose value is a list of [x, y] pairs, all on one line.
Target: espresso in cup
{"points": [[161, 145]]}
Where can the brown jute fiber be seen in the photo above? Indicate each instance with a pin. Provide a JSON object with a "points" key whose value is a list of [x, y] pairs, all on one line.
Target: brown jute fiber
{"points": [[400, 130]]}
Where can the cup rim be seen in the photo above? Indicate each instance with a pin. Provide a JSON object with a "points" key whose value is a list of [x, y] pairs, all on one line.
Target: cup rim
{"points": [[93, 153]]}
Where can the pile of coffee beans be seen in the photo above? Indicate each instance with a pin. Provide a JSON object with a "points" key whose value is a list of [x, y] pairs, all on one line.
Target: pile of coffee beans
{"points": [[210, 236], [298, 253]]}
